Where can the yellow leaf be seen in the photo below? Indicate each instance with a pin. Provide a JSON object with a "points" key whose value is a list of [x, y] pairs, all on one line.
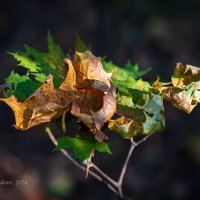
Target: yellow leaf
{"points": [[123, 126], [70, 80]]}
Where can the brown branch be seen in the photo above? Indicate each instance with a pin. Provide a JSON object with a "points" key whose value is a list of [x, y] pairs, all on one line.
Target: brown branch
{"points": [[114, 183]]}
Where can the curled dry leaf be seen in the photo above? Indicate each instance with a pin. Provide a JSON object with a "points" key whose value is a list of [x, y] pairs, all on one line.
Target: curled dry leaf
{"points": [[184, 99], [94, 107], [126, 127], [183, 76], [185, 90], [70, 80], [42, 106], [89, 163], [89, 67]]}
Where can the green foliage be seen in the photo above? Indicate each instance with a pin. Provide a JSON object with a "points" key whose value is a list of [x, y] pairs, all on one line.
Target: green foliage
{"points": [[142, 115], [82, 146], [126, 77], [25, 61], [142, 110], [38, 66], [22, 86]]}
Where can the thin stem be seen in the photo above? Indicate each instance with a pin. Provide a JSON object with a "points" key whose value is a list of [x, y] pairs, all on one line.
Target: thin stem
{"points": [[124, 168], [63, 121], [111, 184], [142, 140], [114, 183]]}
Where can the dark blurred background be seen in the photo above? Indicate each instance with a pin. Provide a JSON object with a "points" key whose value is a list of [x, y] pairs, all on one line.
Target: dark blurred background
{"points": [[153, 34]]}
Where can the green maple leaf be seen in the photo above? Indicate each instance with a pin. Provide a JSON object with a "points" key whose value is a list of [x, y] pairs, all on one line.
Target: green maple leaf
{"points": [[82, 146], [38, 66], [25, 61], [22, 86], [127, 77]]}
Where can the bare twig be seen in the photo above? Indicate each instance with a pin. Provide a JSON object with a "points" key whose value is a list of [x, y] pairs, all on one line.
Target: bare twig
{"points": [[142, 140], [114, 183], [107, 180], [123, 171], [124, 168]]}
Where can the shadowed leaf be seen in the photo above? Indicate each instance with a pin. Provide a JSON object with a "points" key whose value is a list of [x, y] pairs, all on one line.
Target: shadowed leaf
{"points": [[94, 107], [82, 148]]}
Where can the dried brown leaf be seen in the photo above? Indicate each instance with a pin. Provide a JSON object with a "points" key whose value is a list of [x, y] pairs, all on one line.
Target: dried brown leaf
{"points": [[125, 126], [183, 76], [185, 90], [70, 80], [89, 163], [180, 98], [42, 106], [94, 107], [89, 67], [83, 91]]}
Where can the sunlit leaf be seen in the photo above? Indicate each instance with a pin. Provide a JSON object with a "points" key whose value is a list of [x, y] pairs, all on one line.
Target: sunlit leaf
{"points": [[89, 67], [185, 99], [25, 61], [185, 90], [42, 106], [38, 66], [184, 76], [126, 77]]}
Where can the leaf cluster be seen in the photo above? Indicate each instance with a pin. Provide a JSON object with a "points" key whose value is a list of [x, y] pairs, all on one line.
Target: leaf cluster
{"points": [[96, 92]]}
